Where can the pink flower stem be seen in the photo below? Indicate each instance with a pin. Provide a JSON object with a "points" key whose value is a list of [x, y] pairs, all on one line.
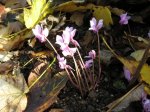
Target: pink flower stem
{"points": [[84, 70], [78, 76], [69, 76], [85, 75], [99, 65], [93, 79], [51, 45]]}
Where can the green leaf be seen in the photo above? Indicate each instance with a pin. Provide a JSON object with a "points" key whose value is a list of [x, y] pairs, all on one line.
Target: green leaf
{"points": [[39, 10]]}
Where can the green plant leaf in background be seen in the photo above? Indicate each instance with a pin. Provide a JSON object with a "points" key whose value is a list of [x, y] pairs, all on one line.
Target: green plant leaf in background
{"points": [[39, 10]]}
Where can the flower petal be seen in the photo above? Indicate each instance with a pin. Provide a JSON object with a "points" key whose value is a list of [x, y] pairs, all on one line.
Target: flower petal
{"points": [[45, 32], [100, 24]]}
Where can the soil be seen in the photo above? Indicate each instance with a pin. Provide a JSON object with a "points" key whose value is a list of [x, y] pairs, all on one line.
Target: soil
{"points": [[112, 84]]}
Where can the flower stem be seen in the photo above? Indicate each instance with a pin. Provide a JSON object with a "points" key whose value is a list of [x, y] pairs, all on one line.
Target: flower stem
{"points": [[99, 65], [51, 45]]}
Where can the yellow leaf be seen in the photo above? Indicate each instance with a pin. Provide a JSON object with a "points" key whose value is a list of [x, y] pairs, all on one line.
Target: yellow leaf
{"points": [[39, 9], [72, 6], [132, 65], [138, 54], [103, 13], [147, 89]]}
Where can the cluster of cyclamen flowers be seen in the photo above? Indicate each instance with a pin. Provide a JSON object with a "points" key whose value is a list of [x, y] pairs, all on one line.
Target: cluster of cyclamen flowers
{"points": [[67, 37], [64, 41]]}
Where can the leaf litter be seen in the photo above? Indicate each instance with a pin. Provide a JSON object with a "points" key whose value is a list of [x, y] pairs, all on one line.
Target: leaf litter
{"points": [[53, 91]]}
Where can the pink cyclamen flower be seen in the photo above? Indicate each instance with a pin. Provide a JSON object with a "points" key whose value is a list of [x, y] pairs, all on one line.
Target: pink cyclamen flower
{"points": [[124, 19], [95, 26], [145, 102], [62, 62], [40, 33], [92, 54], [88, 63], [68, 35], [127, 74], [66, 50]]}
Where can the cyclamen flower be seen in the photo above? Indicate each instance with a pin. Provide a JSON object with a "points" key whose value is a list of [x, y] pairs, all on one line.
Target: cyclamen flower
{"points": [[62, 62], [145, 102], [66, 50], [40, 33], [95, 26], [88, 63], [124, 19], [68, 35], [127, 74], [92, 54]]}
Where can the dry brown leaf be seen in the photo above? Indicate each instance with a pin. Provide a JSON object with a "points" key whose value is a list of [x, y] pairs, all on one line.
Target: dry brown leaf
{"points": [[124, 101], [12, 91], [15, 26], [37, 71], [44, 93], [77, 17], [7, 44], [72, 6], [57, 110], [6, 67], [13, 4], [116, 11], [42, 54], [31, 42], [5, 56], [3, 12], [60, 24]]}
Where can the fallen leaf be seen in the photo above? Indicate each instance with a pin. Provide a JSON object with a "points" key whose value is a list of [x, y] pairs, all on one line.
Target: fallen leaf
{"points": [[44, 93], [13, 4], [77, 18], [72, 6], [3, 12], [12, 91], [138, 54], [103, 13], [5, 56], [116, 11], [6, 67], [39, 10], [7, 44], [4, 31], [123, 102], [59, 25], [37, 71], [57, 110], [15, 26], [132, 65], [42, 54], [100, 12]]}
